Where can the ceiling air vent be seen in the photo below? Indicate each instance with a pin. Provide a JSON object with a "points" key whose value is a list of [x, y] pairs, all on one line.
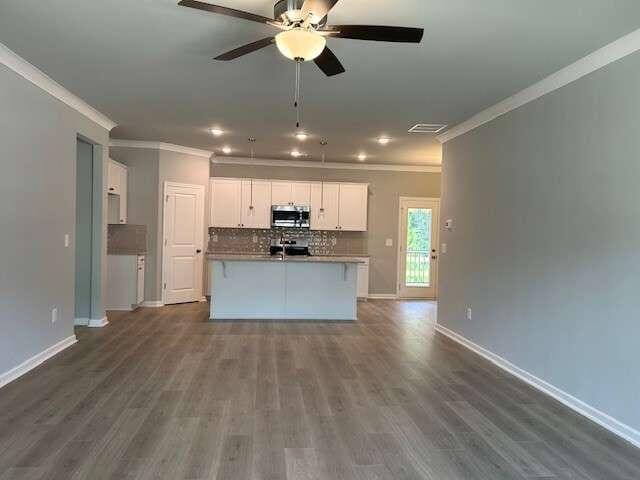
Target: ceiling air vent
{"points": [[427, 128]]}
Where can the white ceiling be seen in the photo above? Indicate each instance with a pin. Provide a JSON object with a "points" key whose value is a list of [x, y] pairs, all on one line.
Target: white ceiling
{"points": [[147, 65]]}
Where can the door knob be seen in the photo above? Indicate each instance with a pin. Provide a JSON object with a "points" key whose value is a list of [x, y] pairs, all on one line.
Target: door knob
{"points": [[198, 251]]}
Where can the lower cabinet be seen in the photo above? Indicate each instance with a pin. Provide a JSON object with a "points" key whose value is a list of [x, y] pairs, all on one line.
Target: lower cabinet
{"points": [[363, 278], [125, 282]]}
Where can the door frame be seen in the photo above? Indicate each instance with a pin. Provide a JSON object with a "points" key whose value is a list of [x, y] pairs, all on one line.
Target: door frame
{"points": [[434, 241], [166, 186]]}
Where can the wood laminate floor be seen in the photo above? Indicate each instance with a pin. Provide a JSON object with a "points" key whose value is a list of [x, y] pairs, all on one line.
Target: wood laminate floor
{"points": [[165, 394]]}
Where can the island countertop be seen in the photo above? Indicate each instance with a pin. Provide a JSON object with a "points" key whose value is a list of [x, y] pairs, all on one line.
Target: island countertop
{"points": [[235, 257]]}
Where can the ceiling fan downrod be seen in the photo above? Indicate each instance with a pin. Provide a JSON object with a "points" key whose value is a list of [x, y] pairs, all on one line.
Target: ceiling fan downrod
{"points": [[297, 102]]}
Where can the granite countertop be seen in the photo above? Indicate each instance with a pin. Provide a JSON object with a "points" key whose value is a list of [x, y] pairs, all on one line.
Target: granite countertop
{"points": [[126, 252], [231, 257]]}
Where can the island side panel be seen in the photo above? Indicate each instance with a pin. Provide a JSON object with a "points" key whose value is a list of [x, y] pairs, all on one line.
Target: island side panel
{"points": [[247, 290], [321, 291]]}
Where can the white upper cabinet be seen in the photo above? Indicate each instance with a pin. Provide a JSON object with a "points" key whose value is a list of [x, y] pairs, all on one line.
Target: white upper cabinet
{"points": [[281, 193], [113, 178], [353, 207], [256, 204], [290, 193], [301, 194], [117, 177], [245, 203], [325, 200], [226, 202]]}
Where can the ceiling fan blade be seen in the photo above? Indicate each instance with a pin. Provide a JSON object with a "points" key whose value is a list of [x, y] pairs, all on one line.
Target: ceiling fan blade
{"points": [[319, 8], [378, 33], [207, 7], [329, 63], [245, 49]]}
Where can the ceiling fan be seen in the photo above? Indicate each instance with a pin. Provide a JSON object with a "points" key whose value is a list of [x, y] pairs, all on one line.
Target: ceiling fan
{"points": [[303, 25]]}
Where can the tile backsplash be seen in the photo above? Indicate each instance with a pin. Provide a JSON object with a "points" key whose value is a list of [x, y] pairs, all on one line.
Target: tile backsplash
{"points": [[126, 239], [240, 240]]}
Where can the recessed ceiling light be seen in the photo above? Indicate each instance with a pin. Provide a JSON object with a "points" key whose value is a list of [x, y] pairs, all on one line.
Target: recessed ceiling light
{"points": [[362, 157], [302, 136], [216, 132], [384, 140], [295, 153], [226, 150]]}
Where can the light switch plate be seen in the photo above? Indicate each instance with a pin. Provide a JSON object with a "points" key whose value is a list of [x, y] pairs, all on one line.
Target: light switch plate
{"points": [[443, 248], [389, 242], [67, 240]]}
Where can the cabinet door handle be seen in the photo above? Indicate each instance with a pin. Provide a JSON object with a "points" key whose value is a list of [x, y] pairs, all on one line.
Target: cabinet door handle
{"points": [[111, 189]]}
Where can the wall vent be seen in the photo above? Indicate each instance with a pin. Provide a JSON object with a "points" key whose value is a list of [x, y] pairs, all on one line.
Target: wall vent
{"points": [[434, 128]]}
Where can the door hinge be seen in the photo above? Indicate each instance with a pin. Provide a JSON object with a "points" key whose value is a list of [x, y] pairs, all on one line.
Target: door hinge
{"points": [[165, 286], [165, 242], [166, 199]]}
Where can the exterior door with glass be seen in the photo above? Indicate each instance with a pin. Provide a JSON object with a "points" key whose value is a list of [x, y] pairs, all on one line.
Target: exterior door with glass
{"points": [[418, 248]]}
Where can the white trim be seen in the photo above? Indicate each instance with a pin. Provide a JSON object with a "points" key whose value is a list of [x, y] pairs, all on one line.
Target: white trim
{"points": [[152, 304], [33, 74], [382, 296], [589, 64], [169, 147], [283, 316], [203, 299], [81, 322], [98, 322], [615, 426], [36, 360], [432, 168]]}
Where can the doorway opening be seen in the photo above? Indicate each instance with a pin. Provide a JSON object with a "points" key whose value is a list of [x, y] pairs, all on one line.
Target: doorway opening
{"points": [[88, 238], [418, 247]]}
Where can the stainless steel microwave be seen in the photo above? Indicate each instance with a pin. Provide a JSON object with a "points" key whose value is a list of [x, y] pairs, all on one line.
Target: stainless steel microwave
{"points": [[290, 216]]}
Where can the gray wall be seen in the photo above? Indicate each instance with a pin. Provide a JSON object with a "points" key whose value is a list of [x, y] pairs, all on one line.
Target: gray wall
{"points": [[37, 198], [545, 246], [385, 190], [148, 170], [142, 204]]}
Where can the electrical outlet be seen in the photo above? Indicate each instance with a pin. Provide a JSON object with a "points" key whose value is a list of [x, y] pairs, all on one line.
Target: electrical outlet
{"points": [[469, 313], [443, 248], [255, 239], [214, 238], [389, 242], [54, 314]]}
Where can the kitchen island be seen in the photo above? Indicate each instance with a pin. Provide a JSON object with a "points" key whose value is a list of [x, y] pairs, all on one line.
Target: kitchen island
{"points": [[262, 287]]}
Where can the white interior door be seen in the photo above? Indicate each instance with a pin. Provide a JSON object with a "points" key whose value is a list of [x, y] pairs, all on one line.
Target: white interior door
{"points": [[183, 256], [418, 248]]}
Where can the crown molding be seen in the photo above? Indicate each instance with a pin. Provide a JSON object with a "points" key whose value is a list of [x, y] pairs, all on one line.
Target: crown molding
{"points": [[168, 147], [33, 74], [334, 165], [600, 58]]}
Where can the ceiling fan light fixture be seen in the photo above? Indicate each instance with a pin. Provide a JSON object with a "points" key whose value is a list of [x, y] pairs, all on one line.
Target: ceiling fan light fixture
{"points": [[300, 44]]}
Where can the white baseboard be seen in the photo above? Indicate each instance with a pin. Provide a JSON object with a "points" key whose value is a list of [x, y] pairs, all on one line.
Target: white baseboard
{"points": [[81, 322], [98, 322], [382, 296], [36, 360], [203, 299], [615, 426], [152, 304]]}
